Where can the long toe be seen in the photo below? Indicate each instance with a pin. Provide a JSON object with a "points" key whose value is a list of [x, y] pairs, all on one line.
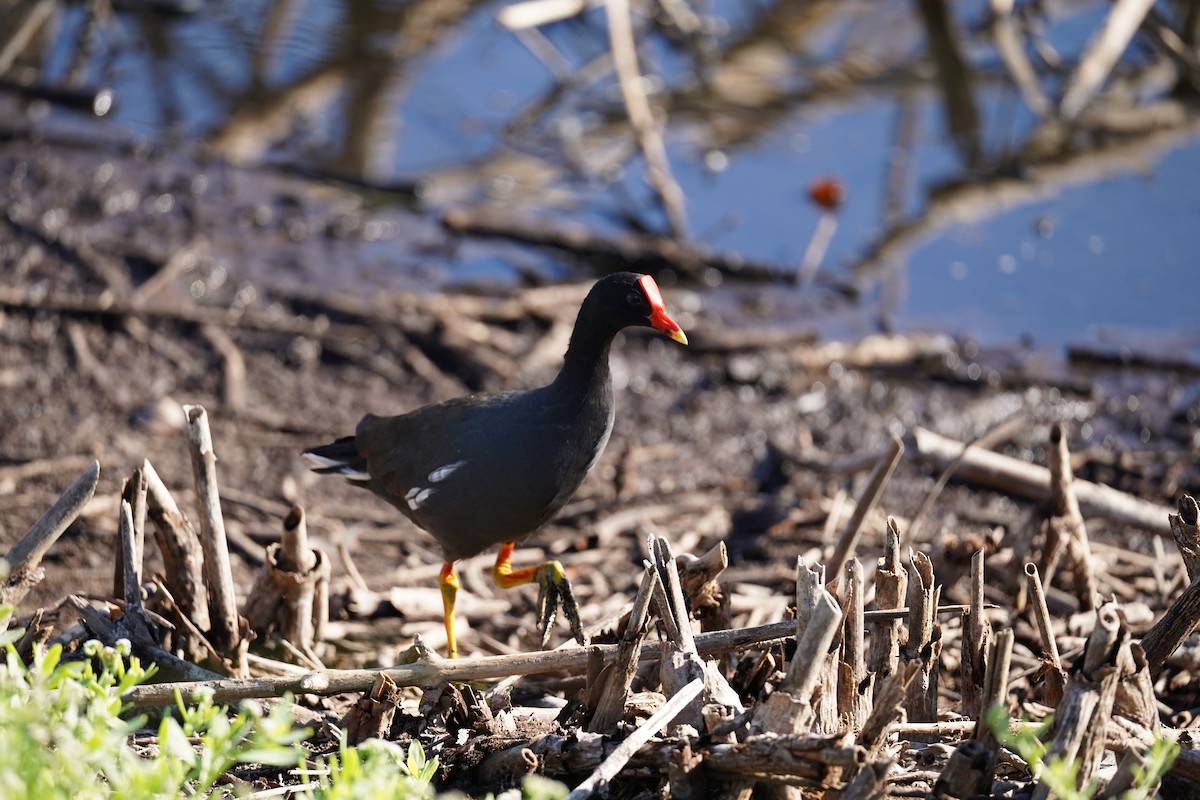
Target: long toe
{"points": [[554, 590]]}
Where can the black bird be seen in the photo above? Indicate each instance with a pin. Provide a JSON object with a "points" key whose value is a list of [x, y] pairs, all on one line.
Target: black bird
{"points": [[491, 469]]}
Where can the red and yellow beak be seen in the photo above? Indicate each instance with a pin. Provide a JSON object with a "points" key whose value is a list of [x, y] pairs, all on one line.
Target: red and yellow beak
{"points": [[659, 319]]}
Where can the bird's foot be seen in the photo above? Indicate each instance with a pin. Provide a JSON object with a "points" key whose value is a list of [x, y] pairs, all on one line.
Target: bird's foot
{"points": [[555, 590]]}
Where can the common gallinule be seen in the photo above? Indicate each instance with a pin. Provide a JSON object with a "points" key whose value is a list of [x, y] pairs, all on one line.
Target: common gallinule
{"points": [[490, 469]]}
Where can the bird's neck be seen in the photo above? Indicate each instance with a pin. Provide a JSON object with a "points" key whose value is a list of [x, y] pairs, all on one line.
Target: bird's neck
{"points": [[585, 367]]}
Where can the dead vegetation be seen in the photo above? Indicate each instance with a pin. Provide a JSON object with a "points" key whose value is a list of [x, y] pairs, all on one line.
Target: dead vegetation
{"points": [[806, 567], [781, 631]]}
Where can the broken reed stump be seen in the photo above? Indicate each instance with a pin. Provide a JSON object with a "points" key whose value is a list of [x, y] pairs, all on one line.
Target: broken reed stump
{"points": [[891, 589], [924, 643], [1064, 534], [1185, 528], [1083, 717], [290, 596]]}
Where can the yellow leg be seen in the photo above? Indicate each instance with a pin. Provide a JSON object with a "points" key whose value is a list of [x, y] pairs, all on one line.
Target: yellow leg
{"points": [[554, 587], [448, 582], [506, 577]]}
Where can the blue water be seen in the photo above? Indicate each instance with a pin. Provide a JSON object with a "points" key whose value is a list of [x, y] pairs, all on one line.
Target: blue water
{"points": [[1108, 252]]}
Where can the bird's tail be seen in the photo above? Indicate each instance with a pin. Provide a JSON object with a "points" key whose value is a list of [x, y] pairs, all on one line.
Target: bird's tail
{"points": [[339, 458]]}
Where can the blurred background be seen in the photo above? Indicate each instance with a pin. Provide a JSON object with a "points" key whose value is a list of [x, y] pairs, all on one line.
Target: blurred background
{"points": [[1011, 172]]}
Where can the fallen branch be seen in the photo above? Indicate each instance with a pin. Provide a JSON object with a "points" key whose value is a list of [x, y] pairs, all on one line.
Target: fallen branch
{"points": [[432, 670], [1017, 477]]}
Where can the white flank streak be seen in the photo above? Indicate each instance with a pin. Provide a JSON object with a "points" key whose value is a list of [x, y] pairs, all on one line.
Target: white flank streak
{"points": [[416, 496], [441, 473]]}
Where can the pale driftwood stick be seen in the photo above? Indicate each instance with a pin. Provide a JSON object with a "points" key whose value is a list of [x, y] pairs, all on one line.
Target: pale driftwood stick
{"points": [[976, 633], [699, 577], [25, 557], [641, 118], [854, 686], [1175, 626], [131, 576], [1185, 527], [669, 572], [995, 688], [811, 593], [433, 671], [1041, 614], [891, 587], [134, 493], [612, 765], [610, 708], [95, 306], [181, 259], [222, 600], [183, 559], [878, 615], [1016, 477], [848, 540], [681, 662], [1101, 55], [988, 439], [666, 616], [15, 473]]}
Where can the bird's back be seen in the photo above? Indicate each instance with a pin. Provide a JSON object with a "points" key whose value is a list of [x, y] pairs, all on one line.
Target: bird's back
{"points": [[478, 471]]}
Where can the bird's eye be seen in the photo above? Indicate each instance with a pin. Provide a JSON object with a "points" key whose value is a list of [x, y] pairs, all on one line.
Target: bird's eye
{"points": [[633, 298]]}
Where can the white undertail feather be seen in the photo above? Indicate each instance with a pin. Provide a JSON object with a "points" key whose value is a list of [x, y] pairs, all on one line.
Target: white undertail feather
{"points": [[341, 467], [441, 473], [416, 496]]}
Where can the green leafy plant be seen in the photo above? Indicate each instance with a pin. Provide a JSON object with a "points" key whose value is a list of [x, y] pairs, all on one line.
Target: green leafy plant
{"points": [[62, 735], [374, 769], [1060, 774]]}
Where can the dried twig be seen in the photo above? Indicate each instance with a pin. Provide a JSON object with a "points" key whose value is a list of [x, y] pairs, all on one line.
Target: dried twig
{"points": [[25, 557], [609, 768], [1028, 480], [848, 540], [226, 632]]}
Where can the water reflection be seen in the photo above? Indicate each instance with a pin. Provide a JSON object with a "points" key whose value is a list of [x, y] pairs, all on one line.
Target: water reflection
{"points": [[674, 135]]}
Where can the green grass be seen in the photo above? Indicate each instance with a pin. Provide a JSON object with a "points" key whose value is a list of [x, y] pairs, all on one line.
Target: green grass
{"points": [[64, 733]]}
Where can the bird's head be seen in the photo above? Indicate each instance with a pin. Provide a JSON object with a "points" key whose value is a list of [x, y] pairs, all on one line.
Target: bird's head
{"points": [[627, 299]]}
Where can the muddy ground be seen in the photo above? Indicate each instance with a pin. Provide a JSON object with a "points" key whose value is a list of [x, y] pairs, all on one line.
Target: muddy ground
{"points": [[126, 294]]}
